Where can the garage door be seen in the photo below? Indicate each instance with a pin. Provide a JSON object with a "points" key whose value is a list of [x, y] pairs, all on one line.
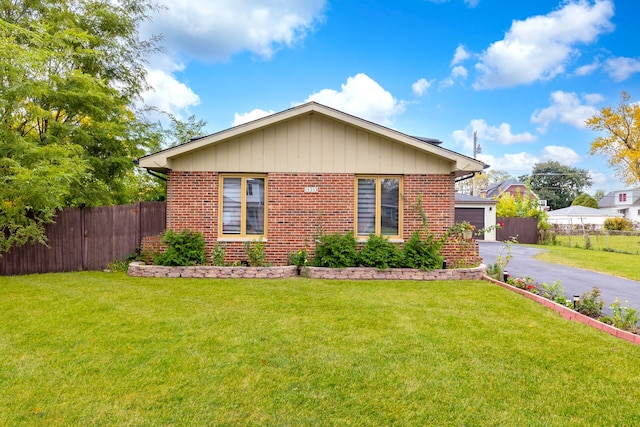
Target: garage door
{"points": [[474, 216]]}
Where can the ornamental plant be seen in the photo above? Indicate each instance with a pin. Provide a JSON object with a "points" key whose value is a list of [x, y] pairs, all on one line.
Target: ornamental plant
{"points": [[590, 303], [379, 252], [423, 254], [336, 250], [183, 249]]}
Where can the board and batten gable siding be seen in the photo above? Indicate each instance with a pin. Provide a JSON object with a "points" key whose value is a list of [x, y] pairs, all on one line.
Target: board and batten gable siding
{"points": [[311, 143]]}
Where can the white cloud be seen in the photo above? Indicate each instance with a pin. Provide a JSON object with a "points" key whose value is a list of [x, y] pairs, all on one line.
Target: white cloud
{"points": [[216, 29], [460, 55], [501, 134], [363, 97], [539, 47], [421, 86], [563, 155], [566, 107], [168, 94], [621, 68], [471, 3], [252, 115], [459, 72], [585, 70], [445, 83]]}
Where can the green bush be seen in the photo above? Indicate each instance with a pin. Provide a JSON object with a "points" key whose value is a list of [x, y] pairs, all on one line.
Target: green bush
{"points": [[625, 318], [183, 249], [336, 251], [618, 224], [590, 303], [255, 251], [379, 252], [217, 254], [422, 253], [554, 292]]}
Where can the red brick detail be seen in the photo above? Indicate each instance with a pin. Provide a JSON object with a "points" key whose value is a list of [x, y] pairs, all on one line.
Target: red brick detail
{"points": [[295, 217]]}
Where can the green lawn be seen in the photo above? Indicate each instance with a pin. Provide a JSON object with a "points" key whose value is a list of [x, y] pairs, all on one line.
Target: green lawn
{"points": [[628, 243], [616, 264], [106, 349]]}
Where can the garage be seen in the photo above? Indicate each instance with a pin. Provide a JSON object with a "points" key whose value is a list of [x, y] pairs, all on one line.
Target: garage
{"points": [[477, 211]]}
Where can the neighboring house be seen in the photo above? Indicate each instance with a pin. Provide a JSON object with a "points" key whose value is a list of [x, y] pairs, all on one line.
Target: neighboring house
{"points": [[288, 176], [625, 202], [479, 212], [580, 216], [512, 186]]}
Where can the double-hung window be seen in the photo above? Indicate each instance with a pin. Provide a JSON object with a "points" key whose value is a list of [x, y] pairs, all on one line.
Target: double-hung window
{"points": [[243, 205], [378, 205]]}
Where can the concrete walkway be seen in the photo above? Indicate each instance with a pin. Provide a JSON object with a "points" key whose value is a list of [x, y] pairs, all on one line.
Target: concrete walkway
{"points": [[575, 281]]}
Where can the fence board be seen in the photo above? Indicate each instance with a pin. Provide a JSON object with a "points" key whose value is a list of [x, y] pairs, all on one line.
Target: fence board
{"points": [[525, 230], [87, 239]]}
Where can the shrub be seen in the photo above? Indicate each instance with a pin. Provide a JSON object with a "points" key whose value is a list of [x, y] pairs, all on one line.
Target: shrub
{"points": [[183, 249], [554, 292], [299, 258], [590, 303], [218, 253], [336, 251], [618, 224], [422, 254], [379, 252], [255, 252], [625, 318]]}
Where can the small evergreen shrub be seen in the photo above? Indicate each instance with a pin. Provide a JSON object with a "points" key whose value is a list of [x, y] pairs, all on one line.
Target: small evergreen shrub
{"points": [[183, 249], [336, 251], [379, 252], [423, 254]]}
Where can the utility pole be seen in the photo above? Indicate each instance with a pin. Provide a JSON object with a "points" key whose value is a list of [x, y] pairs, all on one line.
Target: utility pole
{"points": [[476, 149]]}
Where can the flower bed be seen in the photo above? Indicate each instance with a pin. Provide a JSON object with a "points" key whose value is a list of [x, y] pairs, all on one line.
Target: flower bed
{"points": [[139, 269], [568, 313], [370, 273]]}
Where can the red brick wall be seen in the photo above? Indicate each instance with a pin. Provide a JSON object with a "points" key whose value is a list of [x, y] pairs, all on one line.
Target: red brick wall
{"points": [[294, 217]]}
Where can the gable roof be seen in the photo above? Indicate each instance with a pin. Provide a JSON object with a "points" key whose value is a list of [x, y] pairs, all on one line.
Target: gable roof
{"points": [[581, 211], [610, 200], [404, 146], [500, 187]]}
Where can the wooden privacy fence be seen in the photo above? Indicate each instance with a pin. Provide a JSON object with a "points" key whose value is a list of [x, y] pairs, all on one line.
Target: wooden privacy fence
{"points": [[87, 239], [525, 230]]}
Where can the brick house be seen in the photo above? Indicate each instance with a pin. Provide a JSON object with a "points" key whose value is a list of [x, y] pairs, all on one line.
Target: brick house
{"points": [[286, 176]]}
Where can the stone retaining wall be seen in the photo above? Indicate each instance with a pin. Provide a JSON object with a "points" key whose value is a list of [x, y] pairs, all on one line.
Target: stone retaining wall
{"points": [[138, 269], [366, 273]]}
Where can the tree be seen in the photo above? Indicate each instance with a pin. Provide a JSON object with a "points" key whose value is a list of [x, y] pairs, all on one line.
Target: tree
{"points": [[482, 180], [620, 142], [585, 200], [556, 183], [71, 69]]}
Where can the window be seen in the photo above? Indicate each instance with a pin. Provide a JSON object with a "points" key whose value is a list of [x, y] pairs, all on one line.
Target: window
{"points": [[242, 201], [378, 206], [622, 197]]}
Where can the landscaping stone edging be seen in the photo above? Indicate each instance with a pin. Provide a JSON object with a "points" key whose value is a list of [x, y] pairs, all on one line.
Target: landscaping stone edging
{"points": [[371, 273], [140, 269], [569, 314]]}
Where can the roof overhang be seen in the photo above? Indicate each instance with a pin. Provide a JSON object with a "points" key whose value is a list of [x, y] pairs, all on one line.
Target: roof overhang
{"points": [[161, 161]]}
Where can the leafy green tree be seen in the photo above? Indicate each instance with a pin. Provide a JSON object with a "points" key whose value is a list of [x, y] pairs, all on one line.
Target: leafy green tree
{"points": [[521, 205], [620, 139], [598, 195], [482, 180], [71, 69], [585, 200], [556, 183]]}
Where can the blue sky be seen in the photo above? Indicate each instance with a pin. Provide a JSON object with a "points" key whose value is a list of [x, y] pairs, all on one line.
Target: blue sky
{"points": [[523, 74]]}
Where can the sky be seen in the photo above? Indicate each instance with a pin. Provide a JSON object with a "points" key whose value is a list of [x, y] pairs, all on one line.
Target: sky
{"points": [[523, 75]]}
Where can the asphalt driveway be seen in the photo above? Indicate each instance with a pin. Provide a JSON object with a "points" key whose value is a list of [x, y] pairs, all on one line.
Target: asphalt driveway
{"points": [[575, 281]]}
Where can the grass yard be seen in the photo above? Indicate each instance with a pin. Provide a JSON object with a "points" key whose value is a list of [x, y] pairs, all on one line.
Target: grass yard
{"points": [[628, 243], [615, 264], [105, 349]]}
